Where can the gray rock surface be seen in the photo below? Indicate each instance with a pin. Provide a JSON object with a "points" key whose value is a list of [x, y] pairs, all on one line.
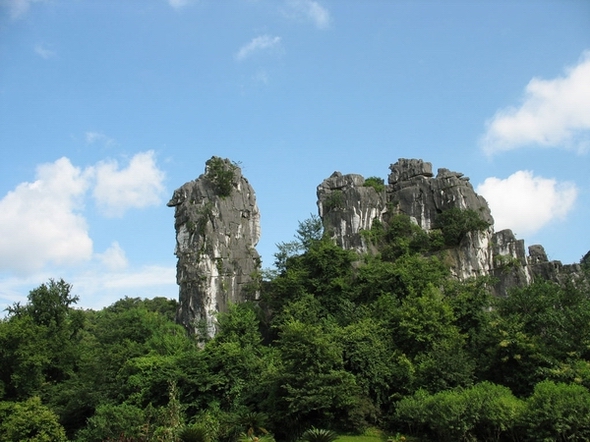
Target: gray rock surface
{"points": [[217, 226], [347, 208]]}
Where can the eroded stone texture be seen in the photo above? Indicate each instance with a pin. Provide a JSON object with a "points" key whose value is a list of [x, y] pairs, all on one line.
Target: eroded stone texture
{"points": [[347, 208], [217, 226]]}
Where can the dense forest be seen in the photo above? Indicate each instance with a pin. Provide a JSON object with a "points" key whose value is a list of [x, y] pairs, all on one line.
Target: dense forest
{"points": [[330, 340]]}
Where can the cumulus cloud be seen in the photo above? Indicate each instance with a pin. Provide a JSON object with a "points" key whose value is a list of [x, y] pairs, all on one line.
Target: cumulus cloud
{"points": [[310, 10], [44, 52], [553, 113], [40, 222], [18, 8], [526, 203], [138, 185], [114, 258], [258, 44]]}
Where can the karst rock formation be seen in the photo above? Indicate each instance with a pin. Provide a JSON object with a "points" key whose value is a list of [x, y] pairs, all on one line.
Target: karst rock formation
{"points": [[347, 207], [217, 226]]}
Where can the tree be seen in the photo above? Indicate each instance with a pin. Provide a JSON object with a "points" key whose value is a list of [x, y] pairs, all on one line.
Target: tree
{"points": [[456, 223], [49, 304], [558, 412], [29, 421], [38, 340], [312, 387]]}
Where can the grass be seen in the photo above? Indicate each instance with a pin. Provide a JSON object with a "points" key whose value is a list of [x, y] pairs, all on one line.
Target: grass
{"points": [[371, 435], [374, 435]]}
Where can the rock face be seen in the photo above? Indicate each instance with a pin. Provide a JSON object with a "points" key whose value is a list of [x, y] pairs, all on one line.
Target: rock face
{"points": [[347, 207], [217, 228]]}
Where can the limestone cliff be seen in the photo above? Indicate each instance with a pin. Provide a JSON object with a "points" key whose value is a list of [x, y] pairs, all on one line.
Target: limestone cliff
{"points": [[347, 207], [217, 226]]}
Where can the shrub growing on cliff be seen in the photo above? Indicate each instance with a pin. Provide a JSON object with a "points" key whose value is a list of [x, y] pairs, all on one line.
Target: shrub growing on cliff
{"points": [[376, 183], [455, 223], [221, 173]]}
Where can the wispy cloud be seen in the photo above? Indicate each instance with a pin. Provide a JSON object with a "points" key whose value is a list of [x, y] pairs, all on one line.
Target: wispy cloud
{"points": [[44, 52], [554, 113], [98, 137], [309, 10], [138, 185], [114, 258], [18, 8], [526, 203], [258, 44]]}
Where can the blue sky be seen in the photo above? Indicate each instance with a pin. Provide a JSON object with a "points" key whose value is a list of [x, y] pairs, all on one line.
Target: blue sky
{"points": [[106, 107]]}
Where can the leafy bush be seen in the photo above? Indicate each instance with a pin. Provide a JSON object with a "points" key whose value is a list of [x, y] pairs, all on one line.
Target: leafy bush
{"points": [[221, 173], [483, 412], [455, 223], [335, 200], [30, 421], [376, 183], [194, 433], [558, 412]]}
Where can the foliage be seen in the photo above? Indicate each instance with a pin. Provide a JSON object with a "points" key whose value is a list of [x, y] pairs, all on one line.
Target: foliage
{"points": [[335, 340], [334, 201], [222, 174], [557, 412], [376, 183], [483, 412], [455, 223], [112, 422], [318, 435], [309, 232], [194, 433], [29, 421]]}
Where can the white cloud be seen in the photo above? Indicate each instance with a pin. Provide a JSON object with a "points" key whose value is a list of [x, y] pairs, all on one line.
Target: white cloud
{"points": [[99, 289], [525, 203], [44, 52], [96, 288], [257, 44], [40, 223], [96, 137], [553, 113], [18, 8], [114, 258], [139, 185], [310, 10]]}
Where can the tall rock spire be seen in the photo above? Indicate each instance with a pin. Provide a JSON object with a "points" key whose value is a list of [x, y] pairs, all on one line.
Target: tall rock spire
{"points": [[217, 228]]}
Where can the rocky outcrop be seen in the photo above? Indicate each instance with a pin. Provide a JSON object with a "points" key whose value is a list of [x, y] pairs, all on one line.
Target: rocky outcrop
{"points": [[217, 226], [348, 207]]}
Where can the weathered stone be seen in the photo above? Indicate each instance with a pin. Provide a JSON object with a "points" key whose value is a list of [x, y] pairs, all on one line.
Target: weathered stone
{"points": [[406, 169], [537, 254], [347, 208], [217, 228]]}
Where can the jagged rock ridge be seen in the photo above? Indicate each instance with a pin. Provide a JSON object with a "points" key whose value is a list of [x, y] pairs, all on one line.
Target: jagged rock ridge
{"points": [[217, 226], [347, 207]]}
